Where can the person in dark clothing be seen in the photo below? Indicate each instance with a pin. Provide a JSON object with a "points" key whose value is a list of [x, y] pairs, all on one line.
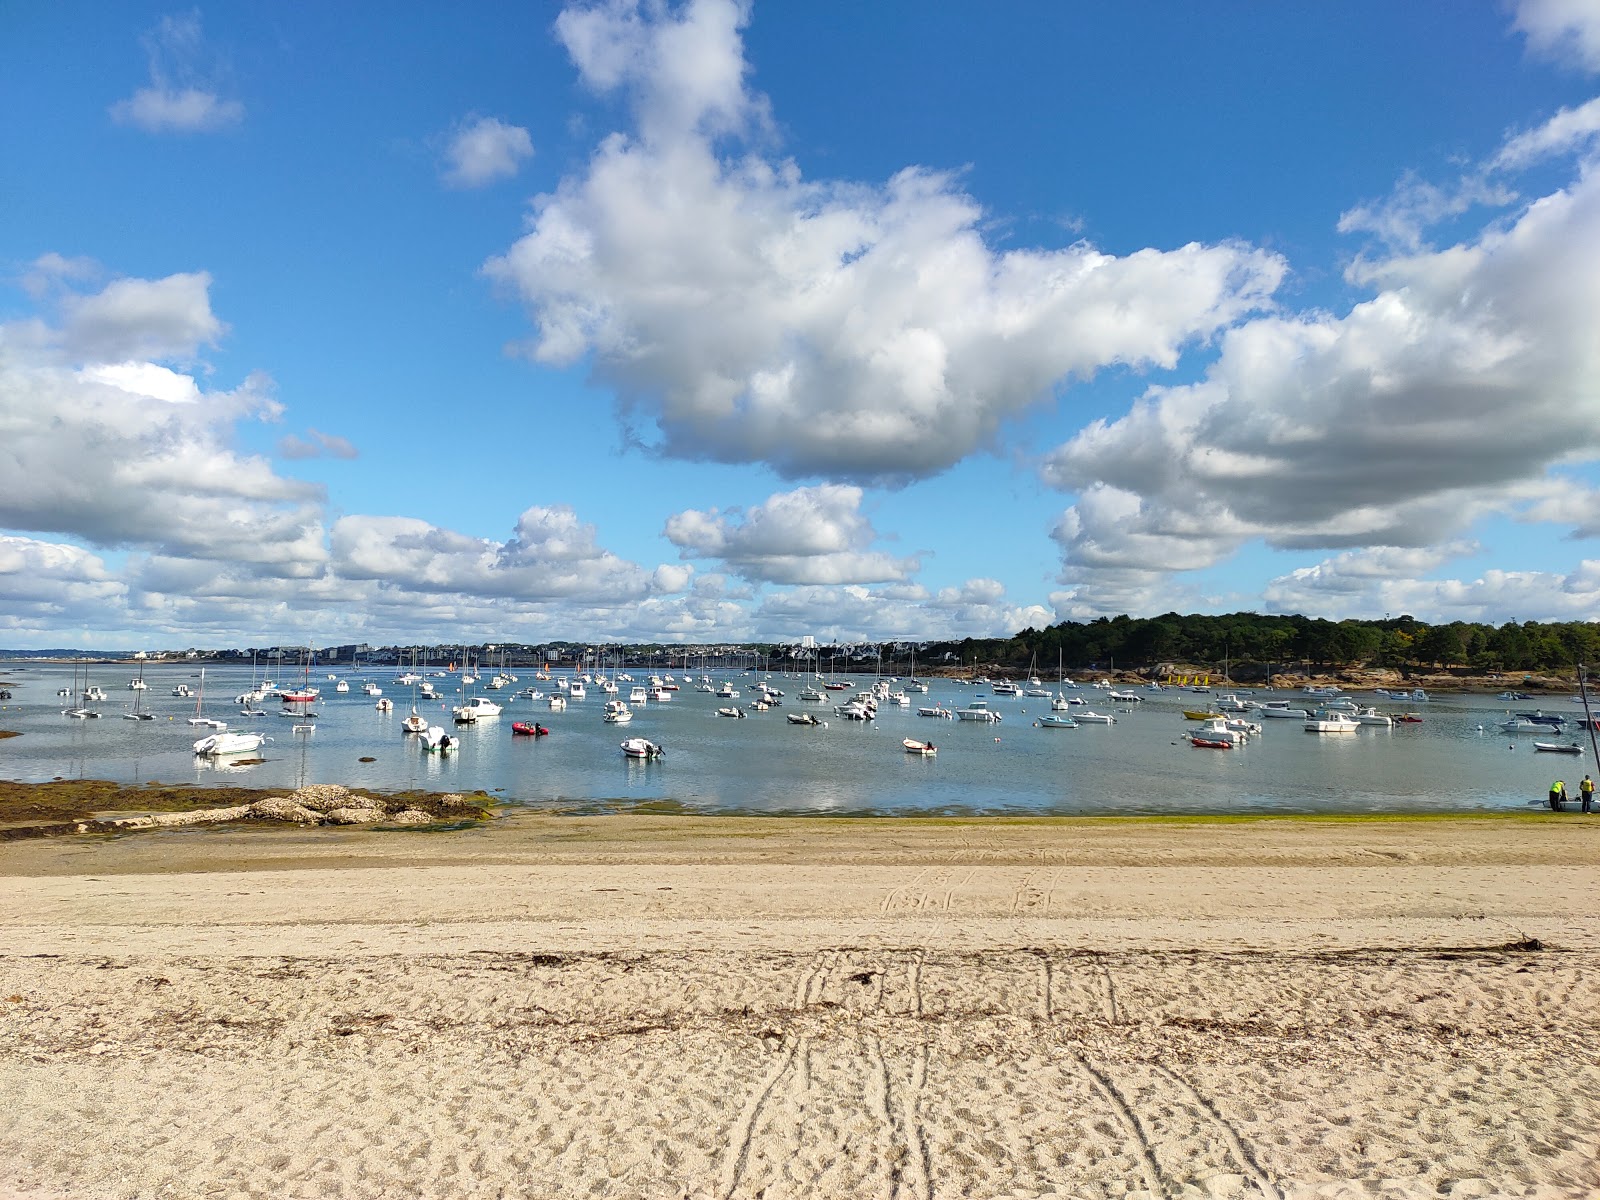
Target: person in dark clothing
{"points": [[1586, 793], [1558, 796]]}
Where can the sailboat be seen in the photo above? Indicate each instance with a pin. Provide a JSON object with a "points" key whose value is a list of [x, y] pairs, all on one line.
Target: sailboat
{"points": [[82, 712], [416, 722], [199, 717], [138, 713]]}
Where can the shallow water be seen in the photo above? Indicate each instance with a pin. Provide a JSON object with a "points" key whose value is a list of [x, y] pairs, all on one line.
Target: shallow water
{"points": [[1455, 760]]}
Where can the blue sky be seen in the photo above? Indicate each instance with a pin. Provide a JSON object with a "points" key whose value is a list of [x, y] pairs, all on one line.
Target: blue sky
{"points": [[714, 321]]}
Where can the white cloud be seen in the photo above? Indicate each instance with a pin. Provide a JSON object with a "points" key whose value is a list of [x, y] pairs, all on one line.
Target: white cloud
{"points": [[1565, 30], [978, 608], [1453, 393], [1571, 129], [485, 150], [550, 556], [1354, 586], [167, 318], [125, 452], [182, 95], [814, 535], [862, 332]]}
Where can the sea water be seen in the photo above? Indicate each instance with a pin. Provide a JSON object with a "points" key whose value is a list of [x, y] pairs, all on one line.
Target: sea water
{"points": [[1454, 760]]}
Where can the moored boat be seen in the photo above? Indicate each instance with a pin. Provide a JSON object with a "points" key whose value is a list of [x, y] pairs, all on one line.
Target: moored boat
{"points": [[228, 743], [525, 729], [638, 747], [1558, 748], [913, 746]]}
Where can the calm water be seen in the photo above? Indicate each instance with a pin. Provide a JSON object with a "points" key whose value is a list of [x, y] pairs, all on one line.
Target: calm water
{"points": [[766, 765]]}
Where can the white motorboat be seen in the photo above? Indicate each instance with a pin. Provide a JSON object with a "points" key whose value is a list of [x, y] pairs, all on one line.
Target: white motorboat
{"points": [[1219, 729], [1281, 709], [182, 689], [663, 695], [617, 713], [1231, 703], [137, 685], [1371, 716], [1330, 721], [1522, 724], [913, 746], [558, 701], [1093, 718], [978, 710], [1054, 722], [1125, 698], [415, 723], [1558, 748], [812, 696], [436, 741], [727, 692], [577, 691], [372, 689], [228, 743], [936, 710], [731, 712], [802, 718], [1003, 688], [638, 747], [474, 708], [384, 704]]}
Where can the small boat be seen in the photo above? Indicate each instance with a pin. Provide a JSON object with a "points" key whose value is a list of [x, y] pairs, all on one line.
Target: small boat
{"points": [[1055, 722], [384, 704], [1280, 708], [228, 743], [1220, 729], [802, 718], [436, 741], [1513, 696], [913, 746], [1371, 716], [978, 710], [936, 710], [1196, 714], [1408, 719], [527, 730], [1210, 743], [638, 747], [812, 696], [1094, 718], [477, 706], [182, 689], [558, 702], [731, 712], [616, 713], [1125, 697], [1327, 721], [1557, 748], [415, 723], [341, 686]]}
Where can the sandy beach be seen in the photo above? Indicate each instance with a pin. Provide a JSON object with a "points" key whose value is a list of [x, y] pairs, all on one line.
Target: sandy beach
{"points": [[635, 1006]]}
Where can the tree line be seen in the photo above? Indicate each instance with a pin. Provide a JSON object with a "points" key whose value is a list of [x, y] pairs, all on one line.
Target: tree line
{"points": [[1251, 638]]}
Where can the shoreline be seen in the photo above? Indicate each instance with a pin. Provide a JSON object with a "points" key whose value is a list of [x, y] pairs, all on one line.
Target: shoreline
{"points": [[643, 1006]]}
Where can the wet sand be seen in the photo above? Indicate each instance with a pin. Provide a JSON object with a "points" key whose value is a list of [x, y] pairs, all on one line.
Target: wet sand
{"points": [[668, 1006]]}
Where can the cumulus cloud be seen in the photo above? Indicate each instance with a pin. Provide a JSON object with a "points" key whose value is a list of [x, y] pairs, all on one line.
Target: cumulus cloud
{"points": [[182, 96], [484, 150], [815, 535], [1564, 30], [1348, 586], [316, 444], [551, 555], [853, 613], [858, 331], [126, 452], [1455, 392]]}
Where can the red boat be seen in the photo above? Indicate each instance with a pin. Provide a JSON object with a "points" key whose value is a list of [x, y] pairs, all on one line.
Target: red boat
{"points": [[1209, 744], [527, 730], [1408, 719]]}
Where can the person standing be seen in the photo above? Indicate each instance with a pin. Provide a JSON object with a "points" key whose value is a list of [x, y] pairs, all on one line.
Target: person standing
{"points": [[1586, 793], [1558, 796]]}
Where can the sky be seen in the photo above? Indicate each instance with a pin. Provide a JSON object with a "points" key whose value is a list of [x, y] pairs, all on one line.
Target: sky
{"points": [[719, 321]]}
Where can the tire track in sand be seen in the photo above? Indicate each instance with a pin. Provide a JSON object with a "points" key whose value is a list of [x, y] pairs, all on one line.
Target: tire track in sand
{"points": [[898, 1109], [1140, 1140], [1230, 1135], [742, 1134]]}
